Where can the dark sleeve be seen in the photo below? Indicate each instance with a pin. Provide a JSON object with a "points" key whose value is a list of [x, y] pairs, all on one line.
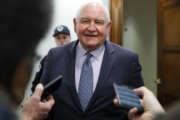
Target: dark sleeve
{"points": [[136, 73], [38, 75]]}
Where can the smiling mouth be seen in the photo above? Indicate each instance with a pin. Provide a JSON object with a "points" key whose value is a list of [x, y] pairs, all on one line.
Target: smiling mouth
{"points": [[91, 35]]}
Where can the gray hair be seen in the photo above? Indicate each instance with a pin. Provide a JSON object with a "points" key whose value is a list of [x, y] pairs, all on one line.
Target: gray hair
{"points": [[106, 11]]}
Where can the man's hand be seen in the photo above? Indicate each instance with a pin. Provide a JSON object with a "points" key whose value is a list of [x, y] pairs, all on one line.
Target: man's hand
{"points": [[35, 109]]}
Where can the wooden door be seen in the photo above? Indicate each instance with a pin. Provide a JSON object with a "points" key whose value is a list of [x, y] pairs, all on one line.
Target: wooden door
{"points": [[168, 51], [116, 11]]}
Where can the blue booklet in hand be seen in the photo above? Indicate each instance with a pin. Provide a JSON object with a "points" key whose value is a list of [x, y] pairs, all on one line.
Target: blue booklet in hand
{"points": [[127, 98]]}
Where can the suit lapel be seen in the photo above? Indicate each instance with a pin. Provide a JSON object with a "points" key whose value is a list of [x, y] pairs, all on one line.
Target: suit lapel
{"points": [[71, 78], [104, 72]]}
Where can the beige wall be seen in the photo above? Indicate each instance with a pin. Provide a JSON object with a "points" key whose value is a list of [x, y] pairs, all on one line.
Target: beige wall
{"points": [[140, 35]]}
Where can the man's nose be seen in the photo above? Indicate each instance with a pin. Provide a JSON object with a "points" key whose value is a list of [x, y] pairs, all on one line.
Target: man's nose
{"points": [[92, 26]]}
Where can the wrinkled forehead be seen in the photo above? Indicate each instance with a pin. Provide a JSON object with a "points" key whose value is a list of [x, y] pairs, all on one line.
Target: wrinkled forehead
{"points": [[93, 10]]}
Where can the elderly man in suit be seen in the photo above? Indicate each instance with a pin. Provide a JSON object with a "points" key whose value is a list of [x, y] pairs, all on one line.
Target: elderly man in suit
{"points": [[90, 66]]}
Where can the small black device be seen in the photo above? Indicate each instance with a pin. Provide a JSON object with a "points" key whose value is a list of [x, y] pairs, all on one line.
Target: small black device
{"points": [[51, 87], [127, 98]]}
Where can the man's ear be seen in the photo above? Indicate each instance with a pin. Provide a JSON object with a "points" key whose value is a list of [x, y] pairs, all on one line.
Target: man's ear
{"points": [[109, 27], [75, 23], [21, 79]]}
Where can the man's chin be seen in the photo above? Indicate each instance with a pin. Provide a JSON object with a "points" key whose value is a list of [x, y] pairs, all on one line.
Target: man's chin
{"points": [[91, 47]]}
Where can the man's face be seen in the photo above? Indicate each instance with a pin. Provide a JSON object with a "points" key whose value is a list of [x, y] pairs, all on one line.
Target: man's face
{"points": [[92, 26], [62, 39]]}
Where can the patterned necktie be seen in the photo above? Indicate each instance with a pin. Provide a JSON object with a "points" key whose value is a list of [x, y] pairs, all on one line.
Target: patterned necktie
{"points": [[86, 82]]}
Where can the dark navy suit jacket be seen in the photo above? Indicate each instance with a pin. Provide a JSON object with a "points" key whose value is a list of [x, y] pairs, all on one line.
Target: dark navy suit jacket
{"points": [[119, 65]]}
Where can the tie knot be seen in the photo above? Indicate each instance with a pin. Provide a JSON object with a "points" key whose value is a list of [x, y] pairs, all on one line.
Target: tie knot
{"points": [[89, 55]]}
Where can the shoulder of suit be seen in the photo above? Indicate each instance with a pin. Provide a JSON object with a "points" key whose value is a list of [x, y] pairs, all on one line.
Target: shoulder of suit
{"points": [[122, 49], [66, 46], [63, 49]]}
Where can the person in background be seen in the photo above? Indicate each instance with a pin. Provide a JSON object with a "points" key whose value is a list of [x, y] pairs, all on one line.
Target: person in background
{"points": [[90, 66], [23, 23], [61, 35]]}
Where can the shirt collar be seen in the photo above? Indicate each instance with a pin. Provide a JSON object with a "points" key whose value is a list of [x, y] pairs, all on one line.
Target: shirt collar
{"points": [[96, 53]]}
